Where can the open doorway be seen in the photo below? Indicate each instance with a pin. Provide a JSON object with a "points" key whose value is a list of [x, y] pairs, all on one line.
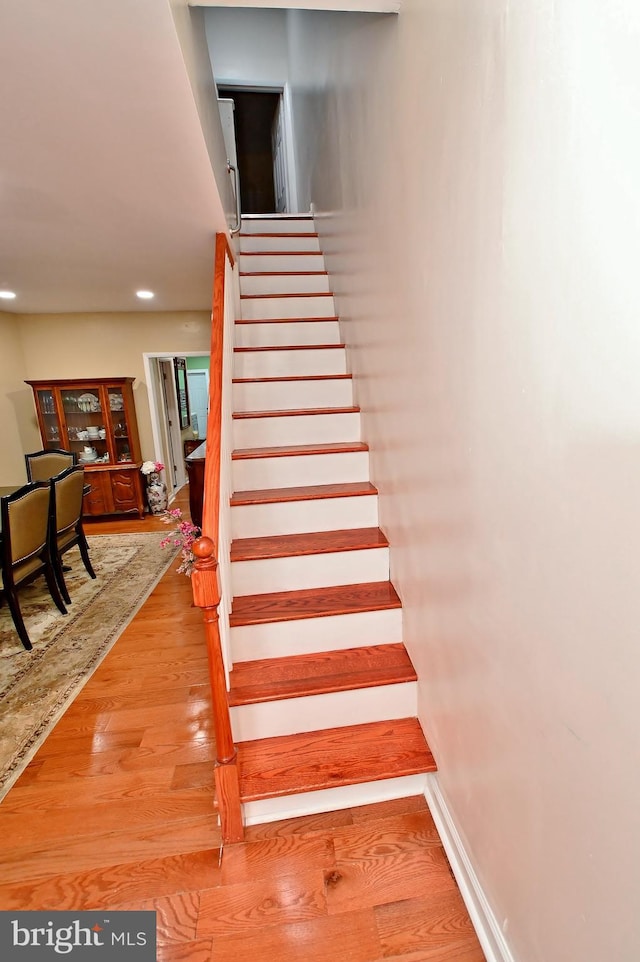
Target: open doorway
{"points": [[171, 425], [260, 146]]}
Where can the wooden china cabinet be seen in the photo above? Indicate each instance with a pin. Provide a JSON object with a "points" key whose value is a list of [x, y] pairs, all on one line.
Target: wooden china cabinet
{"points": [[95, 418]]}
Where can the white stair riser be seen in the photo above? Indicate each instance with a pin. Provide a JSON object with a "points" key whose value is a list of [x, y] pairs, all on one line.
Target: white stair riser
{"points": [[296, 429], [279, 244], [290, 472], [306, 635], [309, 571], [260, 262], [289, 332], [296, 517], [256, 308], [289, 395], [312, 713], [277, 225], [303, 363], [283, 283], [332, 799]]}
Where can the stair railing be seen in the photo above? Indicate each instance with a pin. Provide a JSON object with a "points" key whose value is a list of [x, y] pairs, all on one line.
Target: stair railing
{"points": [[236, 193], [206, 578]]}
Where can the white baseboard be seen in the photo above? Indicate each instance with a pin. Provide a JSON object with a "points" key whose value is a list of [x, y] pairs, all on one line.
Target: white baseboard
{"points": [[482, 916]]}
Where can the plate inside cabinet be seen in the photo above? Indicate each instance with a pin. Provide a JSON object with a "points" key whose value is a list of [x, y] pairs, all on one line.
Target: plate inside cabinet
{"points": [[89, 403]]}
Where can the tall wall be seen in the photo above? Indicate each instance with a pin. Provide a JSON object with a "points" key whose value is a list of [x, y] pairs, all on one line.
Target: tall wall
{"points": [[82, 345], [17, 434], [475, 166], [189, 22]]}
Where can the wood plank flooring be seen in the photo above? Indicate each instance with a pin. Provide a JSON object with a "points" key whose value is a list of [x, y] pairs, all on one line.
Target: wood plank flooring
{"points": [[117, 811]]}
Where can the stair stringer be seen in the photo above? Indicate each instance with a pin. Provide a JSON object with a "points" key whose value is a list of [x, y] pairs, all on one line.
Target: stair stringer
{"points": [[231, 309]]}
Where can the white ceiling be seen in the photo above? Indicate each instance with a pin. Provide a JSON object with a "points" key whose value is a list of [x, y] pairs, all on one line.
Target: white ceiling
{"points": [[106, 184], [105, 181]]}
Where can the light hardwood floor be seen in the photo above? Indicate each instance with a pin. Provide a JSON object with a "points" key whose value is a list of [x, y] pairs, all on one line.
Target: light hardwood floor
{"points": [[117, 811]]}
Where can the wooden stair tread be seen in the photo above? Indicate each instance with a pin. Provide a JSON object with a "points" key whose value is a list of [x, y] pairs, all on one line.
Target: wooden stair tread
{"points": [[312, 761], [293, 450], [278, 234], [278, 253], [295, 676], [303, 493], [308, 543], [290, 347], [296, 377], [286, 320], [294, 412], [283, 273], [246, 297], [313, 603]]}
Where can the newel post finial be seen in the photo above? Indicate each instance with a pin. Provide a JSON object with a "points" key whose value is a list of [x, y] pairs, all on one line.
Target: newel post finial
{"points": [[206, 587]]}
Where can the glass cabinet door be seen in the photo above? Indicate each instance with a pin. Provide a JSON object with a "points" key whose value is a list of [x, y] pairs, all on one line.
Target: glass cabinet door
{"points": [[119, 426], [50, 419], [87, 424]]}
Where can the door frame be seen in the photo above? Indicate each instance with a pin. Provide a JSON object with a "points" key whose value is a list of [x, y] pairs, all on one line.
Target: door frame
{"points": [[284, 90], [159, 427]]}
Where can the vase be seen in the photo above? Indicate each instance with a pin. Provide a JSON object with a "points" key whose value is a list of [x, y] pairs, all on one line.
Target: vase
{"points": [[156, 494]]}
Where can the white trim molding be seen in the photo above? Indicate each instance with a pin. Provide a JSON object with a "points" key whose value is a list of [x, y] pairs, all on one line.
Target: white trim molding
{"points": [[482, 915]]}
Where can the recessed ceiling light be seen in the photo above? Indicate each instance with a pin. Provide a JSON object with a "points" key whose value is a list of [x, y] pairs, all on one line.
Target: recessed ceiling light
{"points": [[145, 295], [7, 295]]}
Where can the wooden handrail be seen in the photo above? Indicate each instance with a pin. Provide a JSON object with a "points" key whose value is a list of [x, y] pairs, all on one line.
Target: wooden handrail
{"points": [[211, 507], [204, 580]]}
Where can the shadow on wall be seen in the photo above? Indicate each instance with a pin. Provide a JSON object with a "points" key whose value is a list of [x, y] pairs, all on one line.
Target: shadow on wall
{"points": [[25, 419], [143, 417]]}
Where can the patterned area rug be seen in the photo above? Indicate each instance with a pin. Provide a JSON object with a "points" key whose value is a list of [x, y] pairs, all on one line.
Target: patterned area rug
{"points": [[37, 686]]}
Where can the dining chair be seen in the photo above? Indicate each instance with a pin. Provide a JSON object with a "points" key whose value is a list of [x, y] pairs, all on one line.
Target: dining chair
{"points": [[42, 465], [24, 549], [65, 522]]}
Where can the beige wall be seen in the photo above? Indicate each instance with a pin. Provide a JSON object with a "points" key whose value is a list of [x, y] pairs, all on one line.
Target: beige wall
{"points": [[17, 435], [476, 168], [82, 345]]}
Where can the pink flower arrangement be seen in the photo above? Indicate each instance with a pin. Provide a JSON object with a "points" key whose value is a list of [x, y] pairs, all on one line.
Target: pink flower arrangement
{"points": [[183, 536]]}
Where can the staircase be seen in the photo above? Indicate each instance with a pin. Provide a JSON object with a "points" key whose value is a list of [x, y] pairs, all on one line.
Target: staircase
{"points": [[323, 693]]}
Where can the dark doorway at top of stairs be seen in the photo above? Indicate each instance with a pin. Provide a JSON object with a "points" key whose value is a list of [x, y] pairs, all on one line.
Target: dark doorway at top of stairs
{"points": [[254, 115]]}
